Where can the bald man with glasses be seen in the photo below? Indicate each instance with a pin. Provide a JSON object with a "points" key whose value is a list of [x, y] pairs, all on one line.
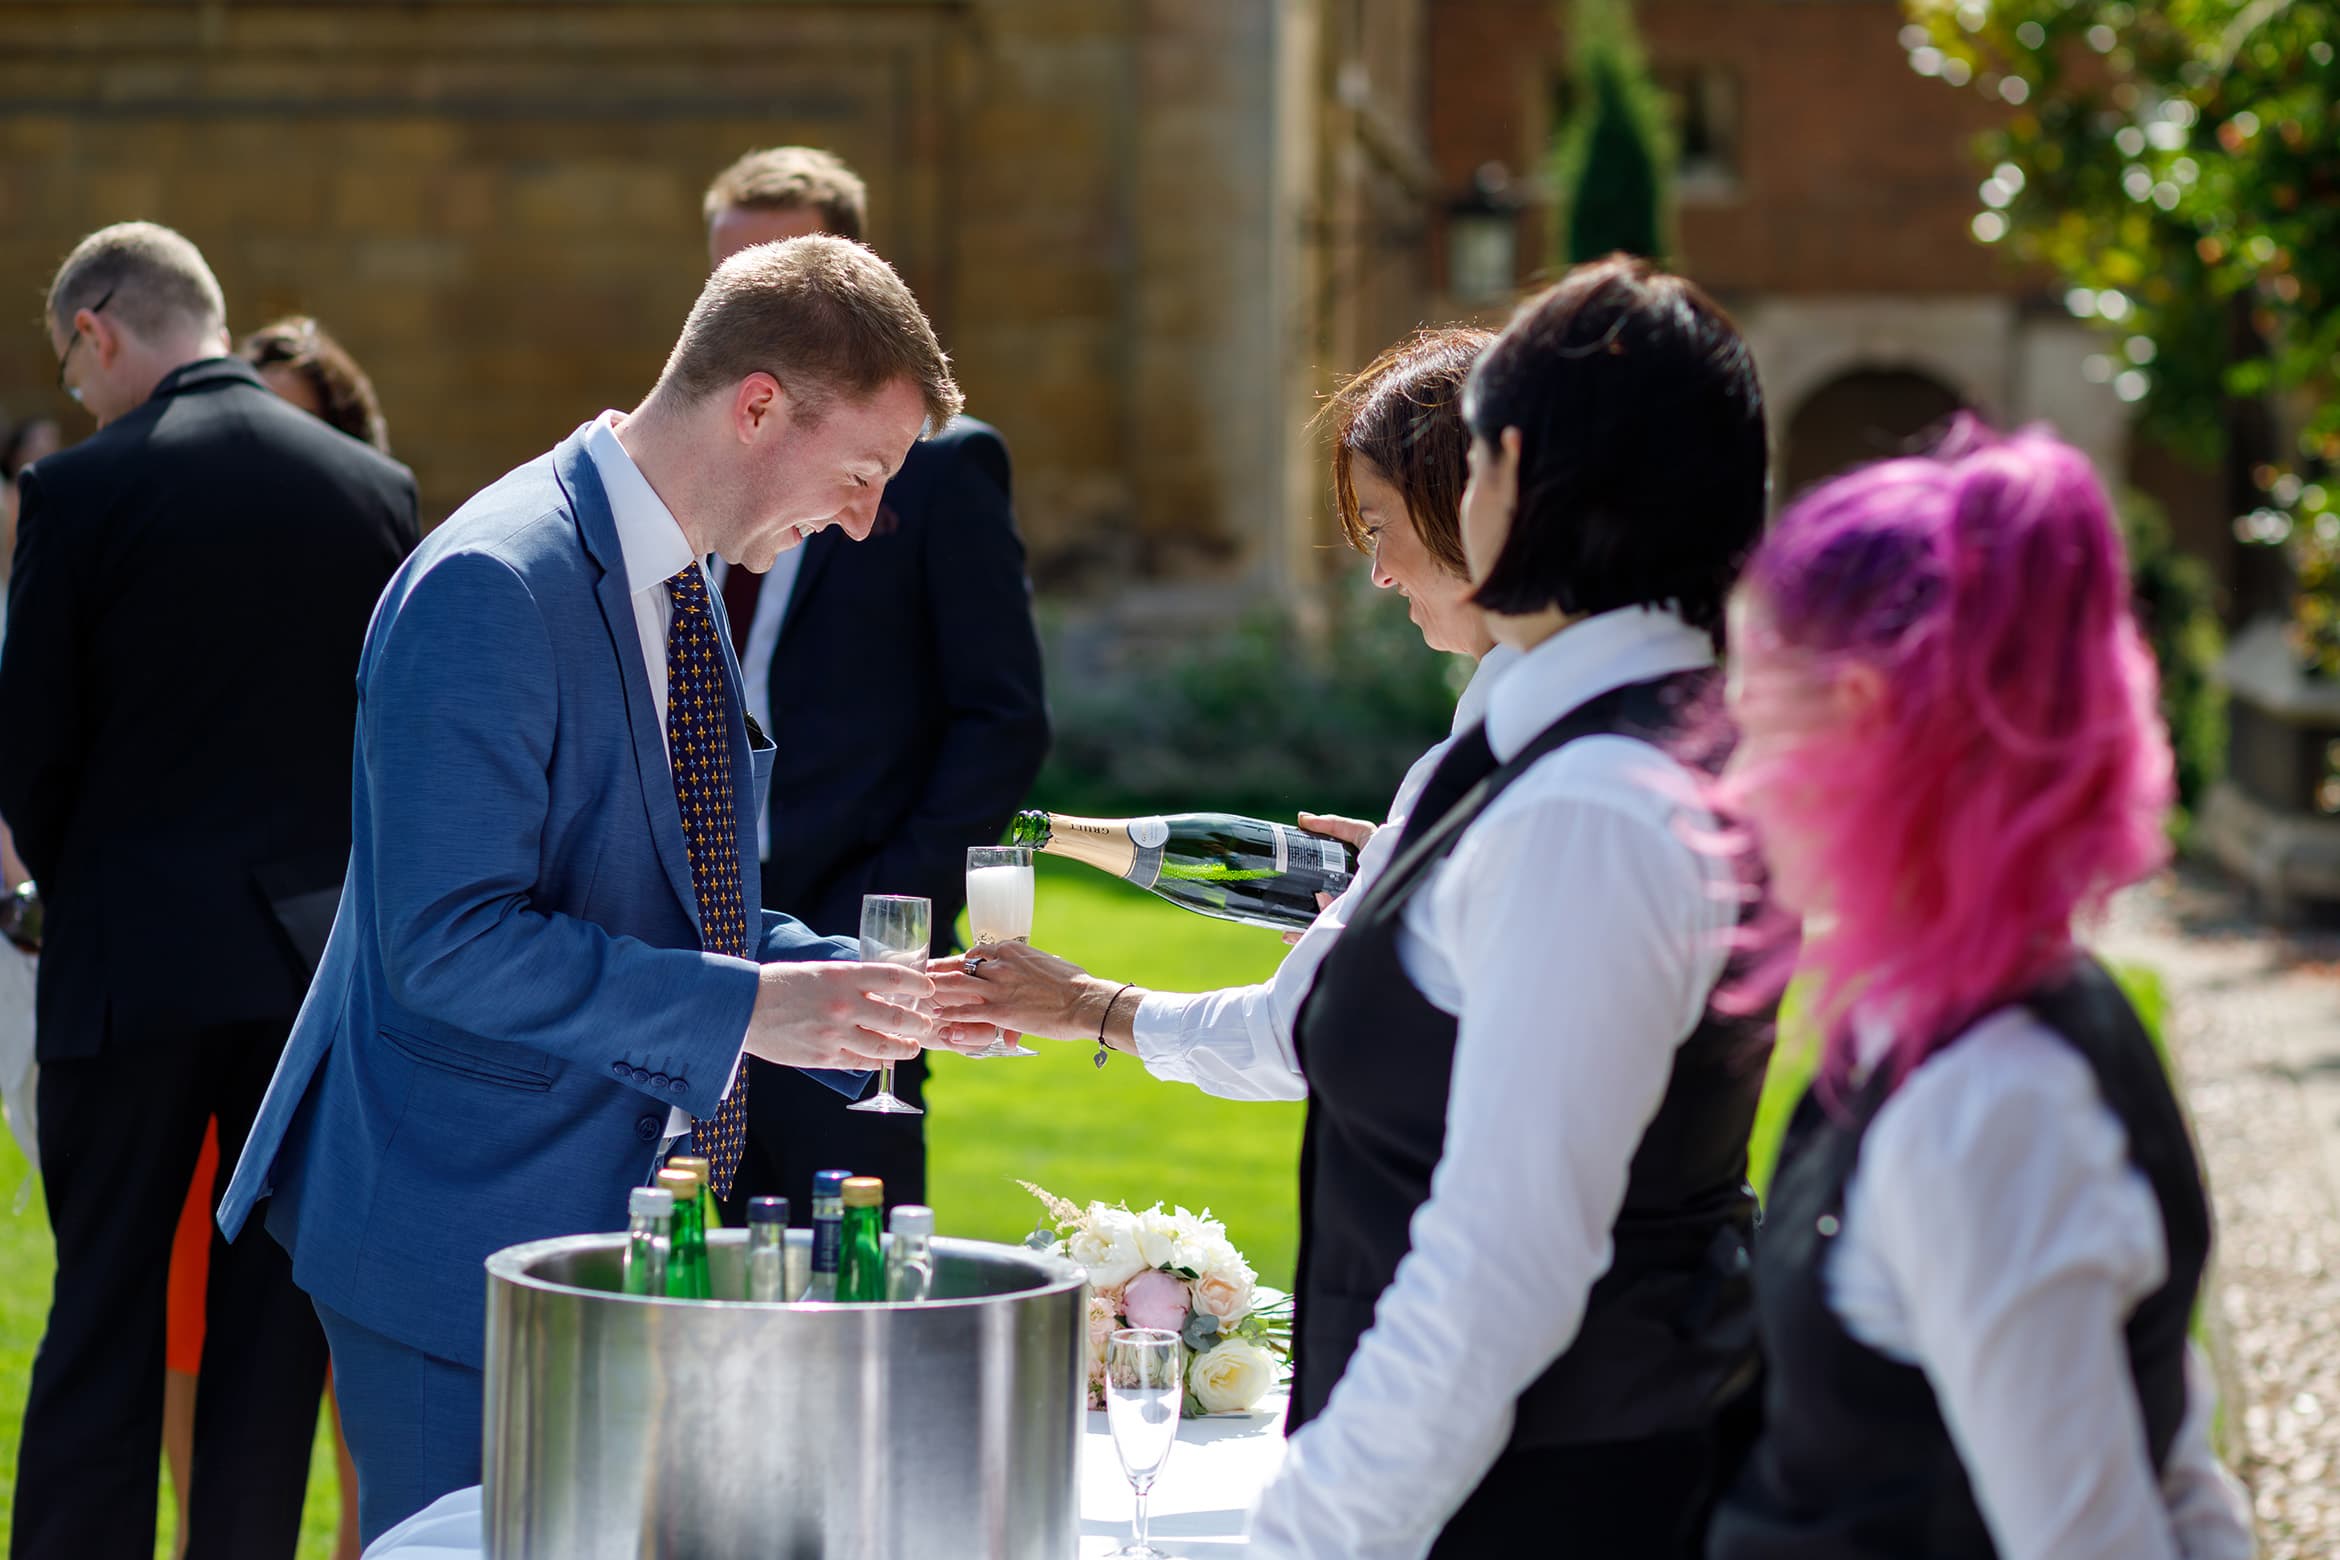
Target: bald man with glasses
{"points": [[191, 587]]}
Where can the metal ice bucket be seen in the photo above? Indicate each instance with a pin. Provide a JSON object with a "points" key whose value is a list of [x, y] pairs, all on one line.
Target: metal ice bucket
{"points": [[621, 1426]]}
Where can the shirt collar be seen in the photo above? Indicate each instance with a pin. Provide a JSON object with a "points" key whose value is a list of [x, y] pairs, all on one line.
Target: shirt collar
{"points": [[649, 538], [1471, 708], [1584, 661]]}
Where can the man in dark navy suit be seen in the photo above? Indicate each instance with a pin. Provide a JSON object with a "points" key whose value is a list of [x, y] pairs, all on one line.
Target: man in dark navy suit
{"points": [[900, 679]]}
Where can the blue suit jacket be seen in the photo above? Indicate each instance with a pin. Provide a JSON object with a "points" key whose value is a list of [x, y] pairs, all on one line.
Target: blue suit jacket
{"points": [[515, 991]]}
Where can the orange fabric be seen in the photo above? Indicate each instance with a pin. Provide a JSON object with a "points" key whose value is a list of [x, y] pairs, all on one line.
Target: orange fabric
{"points": [[191, 1263]]}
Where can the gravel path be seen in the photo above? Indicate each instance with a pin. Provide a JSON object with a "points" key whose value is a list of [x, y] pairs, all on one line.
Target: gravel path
{"points": [[2254, 1023]]}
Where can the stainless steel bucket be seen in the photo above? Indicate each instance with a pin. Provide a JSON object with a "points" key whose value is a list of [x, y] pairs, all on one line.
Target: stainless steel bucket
{"points": [[621, 1426]]}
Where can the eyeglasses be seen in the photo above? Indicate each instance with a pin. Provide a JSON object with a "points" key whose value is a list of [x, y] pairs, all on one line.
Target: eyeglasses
{"points": [[67, 356]]}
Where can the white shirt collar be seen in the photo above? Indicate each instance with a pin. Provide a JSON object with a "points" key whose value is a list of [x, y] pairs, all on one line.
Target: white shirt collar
{"points": [[649, 538], [1584, 661], [1471, 708]]}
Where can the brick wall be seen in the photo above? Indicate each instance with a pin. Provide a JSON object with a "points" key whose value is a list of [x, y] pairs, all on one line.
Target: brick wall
{"points": [[1855, 174]]}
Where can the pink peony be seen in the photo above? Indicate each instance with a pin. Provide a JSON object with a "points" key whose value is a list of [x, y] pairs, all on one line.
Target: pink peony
{"points": [[1156, 1299]]}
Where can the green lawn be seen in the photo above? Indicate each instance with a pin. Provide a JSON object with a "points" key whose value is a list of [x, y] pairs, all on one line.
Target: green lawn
{"points": [[1115, 1134]]}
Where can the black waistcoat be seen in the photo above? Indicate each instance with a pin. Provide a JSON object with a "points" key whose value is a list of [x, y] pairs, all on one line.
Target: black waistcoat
{"points": [[1854, 1462], [1668, 1329]]}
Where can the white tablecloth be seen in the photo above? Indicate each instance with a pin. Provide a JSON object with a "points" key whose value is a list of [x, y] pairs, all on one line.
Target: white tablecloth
{"points": [[1199, 1505]]}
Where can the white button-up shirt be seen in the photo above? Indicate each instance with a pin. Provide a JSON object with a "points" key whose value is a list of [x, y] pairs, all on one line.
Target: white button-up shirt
{"points": [[755, 660], [652, 543], [1237, 1043], [1577, 934], [1997, 1236]]}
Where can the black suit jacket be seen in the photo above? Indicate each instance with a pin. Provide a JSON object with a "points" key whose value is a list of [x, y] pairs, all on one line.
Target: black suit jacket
{"points": [[906, 693], [178, 699]]}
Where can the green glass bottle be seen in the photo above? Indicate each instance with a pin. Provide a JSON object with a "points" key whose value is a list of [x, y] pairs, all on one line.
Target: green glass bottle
{"points": [[861, 1263], [686, 1264], [1217, 864], [649, 1239]]}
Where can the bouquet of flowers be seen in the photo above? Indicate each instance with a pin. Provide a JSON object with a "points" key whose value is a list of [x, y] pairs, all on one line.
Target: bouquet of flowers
{"points": [[1178, 1273]]}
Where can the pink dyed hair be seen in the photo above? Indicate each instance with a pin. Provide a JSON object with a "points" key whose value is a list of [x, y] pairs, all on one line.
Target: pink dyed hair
{"points": [[2015, 772]]}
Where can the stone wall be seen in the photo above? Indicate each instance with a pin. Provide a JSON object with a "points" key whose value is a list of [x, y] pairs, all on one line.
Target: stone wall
{"points": [[496, 207]]}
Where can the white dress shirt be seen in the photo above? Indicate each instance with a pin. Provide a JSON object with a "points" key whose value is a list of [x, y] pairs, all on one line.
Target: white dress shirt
{"points": [[1577, 935], [1997, 1236], [1237, 1043], [755, 661], [655, 551]]}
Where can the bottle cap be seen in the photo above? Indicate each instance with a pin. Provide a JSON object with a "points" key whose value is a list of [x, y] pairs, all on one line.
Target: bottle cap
{"points": [[865, 1191], [827, 1183], [695, 1165], [768, 1210], [913, 1219], [680, 1184], [650, 1202]]}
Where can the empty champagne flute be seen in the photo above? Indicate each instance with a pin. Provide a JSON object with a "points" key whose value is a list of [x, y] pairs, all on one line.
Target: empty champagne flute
{"points": [[1144, 1388], [999, 910], [895, 929]]}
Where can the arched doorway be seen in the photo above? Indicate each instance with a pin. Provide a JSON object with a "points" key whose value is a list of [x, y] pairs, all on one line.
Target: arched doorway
{"points": [[1865, 415]]}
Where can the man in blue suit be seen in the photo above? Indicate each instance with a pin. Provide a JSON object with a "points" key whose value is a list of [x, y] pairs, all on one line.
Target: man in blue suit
{"points": [[544, 974], [901, 678]]}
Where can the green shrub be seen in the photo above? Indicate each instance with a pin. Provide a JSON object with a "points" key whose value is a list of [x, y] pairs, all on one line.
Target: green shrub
{"points": [[1255, 719]]}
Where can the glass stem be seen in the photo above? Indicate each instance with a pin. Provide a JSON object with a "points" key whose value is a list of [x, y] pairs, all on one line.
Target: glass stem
{"points": [[1138, 1520], [886, 1080]]}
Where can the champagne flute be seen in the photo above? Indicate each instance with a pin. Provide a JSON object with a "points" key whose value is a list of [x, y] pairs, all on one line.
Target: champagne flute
{"points": [[999, 910], [1144, 1388], [895, 929]]}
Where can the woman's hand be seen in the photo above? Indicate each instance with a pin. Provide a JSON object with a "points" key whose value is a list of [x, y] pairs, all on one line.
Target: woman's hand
{"points": [[1352, 832], [1021, 990]]}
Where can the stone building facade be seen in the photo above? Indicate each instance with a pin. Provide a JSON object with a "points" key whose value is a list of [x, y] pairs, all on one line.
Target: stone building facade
{"points": [[1826, 195], [496, 207], [1150, 231]]}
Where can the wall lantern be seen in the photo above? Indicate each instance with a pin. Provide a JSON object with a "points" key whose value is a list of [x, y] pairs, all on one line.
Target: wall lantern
{"points": [[1482, 240]]}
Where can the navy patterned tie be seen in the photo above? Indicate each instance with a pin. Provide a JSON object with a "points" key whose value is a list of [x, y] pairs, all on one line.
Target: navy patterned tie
{"points": [[699, 723]]}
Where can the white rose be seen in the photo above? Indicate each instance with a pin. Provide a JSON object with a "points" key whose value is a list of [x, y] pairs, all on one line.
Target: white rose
{"points": [[1107, 1245], [1217, 1256], [1160, 1238], [1232, 1377], [1225, 1292]]}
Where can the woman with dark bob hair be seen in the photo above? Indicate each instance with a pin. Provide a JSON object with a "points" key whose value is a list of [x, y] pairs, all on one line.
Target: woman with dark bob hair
{"points": [[1521, 1291], [1399, 466]]}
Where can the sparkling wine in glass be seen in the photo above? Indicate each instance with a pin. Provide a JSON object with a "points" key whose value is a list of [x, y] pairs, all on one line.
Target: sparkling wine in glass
{"points": [[999, 910], [895, 929], [1144, 1388]]}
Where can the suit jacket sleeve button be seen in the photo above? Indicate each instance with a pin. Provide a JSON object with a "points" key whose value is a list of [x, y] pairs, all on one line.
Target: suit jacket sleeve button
{"points": [[647, 1129], [641, 1075], [679, 1088], [620, 1071], [659, 1081]]}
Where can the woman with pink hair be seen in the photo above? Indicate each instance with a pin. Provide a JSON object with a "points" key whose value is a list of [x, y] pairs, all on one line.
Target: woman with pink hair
{"points": [[1985, 1240]]}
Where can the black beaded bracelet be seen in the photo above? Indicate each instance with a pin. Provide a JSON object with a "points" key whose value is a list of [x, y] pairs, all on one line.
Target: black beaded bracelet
{"points": [[1104, 1050]]}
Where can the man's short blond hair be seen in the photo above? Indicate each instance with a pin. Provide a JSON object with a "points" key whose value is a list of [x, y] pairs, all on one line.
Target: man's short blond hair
{"points": [[151, 279], [824, 316], [794, 178]]}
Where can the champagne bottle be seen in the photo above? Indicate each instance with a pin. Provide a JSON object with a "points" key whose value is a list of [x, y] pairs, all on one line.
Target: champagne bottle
{"points": [[686, 1264], [1237, 869], [828, 1227], [910, 1258], [649, 1237], [767, 1249], [861, 1256]]}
